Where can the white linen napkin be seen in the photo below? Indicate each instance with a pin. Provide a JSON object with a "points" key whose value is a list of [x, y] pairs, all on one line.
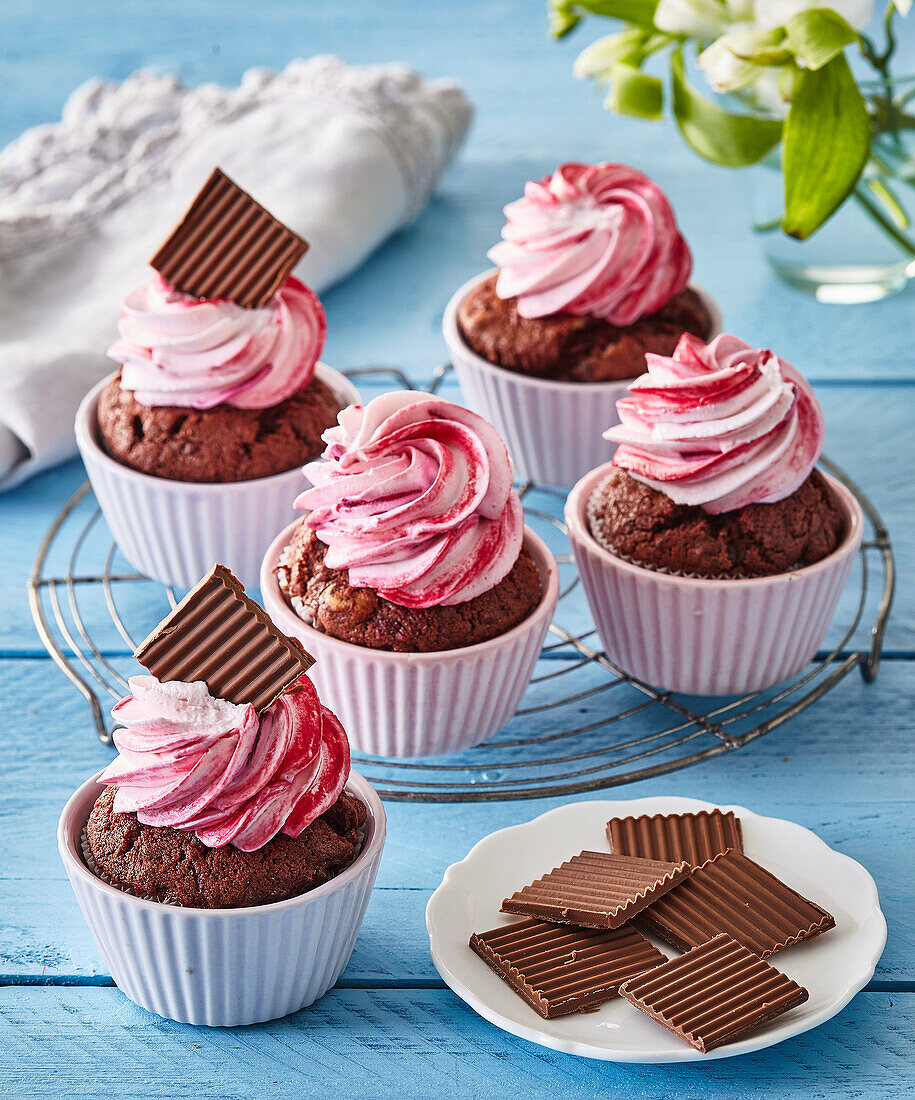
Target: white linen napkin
{"points": [[344, 155]]}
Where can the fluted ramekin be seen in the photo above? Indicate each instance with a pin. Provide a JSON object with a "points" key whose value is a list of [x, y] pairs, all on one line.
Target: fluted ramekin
{"points": [[224, 967], [709, 637], [174, 531], [420, 704], [553, 430]]}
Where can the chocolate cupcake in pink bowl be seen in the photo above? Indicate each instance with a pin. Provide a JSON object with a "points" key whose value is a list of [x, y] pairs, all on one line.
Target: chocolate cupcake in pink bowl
{"points": [[195, 444], [225, 858], [412, 577], [711, 550], [592, 273]]}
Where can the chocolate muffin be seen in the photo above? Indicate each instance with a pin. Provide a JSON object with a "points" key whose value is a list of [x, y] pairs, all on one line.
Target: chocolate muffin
{"points": [[570, 348], [361, 616], [173, 866], [759, 540], [221, 444]]}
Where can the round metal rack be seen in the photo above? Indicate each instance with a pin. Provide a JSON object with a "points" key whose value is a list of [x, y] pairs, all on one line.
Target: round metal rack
{"points": [[583, 724]]}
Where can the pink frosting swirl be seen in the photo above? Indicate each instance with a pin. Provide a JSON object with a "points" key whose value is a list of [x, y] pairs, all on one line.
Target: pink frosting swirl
{"points": [[198, 352], [198, 763], [592, 239], [719, 425], [414, 497]]}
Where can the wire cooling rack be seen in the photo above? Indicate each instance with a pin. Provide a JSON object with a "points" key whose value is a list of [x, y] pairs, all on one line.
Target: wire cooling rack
{"points": [[583, 724]]}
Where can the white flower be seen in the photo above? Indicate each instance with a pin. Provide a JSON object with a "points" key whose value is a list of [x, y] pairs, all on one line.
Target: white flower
{"points": [[725, 62], [703, 19], [738, 30], [708, 19], [776, 13]]}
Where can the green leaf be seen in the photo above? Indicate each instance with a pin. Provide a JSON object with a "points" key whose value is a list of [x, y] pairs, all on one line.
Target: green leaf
{"points": [[818, 35], [635, 93], [826, 144], [716, 134], [566, 14], [562, 18]]}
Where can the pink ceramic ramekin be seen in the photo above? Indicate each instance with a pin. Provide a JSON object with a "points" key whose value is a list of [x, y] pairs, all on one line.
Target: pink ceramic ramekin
{"points": [[553, 430], [708, 637], [173, 531], [224, 967], [420, 704]]}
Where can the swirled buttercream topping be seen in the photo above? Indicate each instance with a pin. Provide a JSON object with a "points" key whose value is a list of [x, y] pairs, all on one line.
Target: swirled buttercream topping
{"points": [[197, 352], [591, 239], [414, 497], [719, 425], [194, 762]]}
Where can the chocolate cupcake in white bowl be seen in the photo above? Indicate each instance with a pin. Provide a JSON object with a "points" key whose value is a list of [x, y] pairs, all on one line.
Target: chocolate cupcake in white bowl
{"points": [[224, 860], [592, 273], [413, 579], [195, 444], [711, 550]]}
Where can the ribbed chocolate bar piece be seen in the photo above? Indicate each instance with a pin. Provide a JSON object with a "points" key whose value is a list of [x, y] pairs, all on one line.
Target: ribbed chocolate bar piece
{"points": [[694, 837], [733, 894], [219, 635], [596, 890], [559, 970], [714, 993], [228, 246]]}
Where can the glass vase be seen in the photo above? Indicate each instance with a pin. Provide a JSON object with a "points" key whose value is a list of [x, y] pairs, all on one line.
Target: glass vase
{"points": [[866, 250]]}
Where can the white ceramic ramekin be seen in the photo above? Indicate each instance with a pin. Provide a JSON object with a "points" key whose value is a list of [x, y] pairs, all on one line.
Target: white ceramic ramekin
{"points": [[174, 531], [420, 704], [553, 430], [709, 637], [224, 967]]}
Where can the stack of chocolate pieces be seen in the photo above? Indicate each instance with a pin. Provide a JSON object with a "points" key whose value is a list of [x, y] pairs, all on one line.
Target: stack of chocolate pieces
{"points": [[683, 878]]}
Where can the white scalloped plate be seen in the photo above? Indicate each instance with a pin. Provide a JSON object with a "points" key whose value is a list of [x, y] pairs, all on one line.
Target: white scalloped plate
{"points": [[833, 967]]}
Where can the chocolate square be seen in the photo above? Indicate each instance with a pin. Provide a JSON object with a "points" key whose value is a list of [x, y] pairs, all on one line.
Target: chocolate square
{"points": [[228, 246], [733, 894], [696, 837], [713, 994], [596, 890], [558, 969], [221, 636]]}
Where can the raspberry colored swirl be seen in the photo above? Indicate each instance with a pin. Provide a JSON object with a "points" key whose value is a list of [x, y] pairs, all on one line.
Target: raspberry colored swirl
{"points": [[414, 497], [720, 425], [213, 768], [594, 239], [198, 352]]}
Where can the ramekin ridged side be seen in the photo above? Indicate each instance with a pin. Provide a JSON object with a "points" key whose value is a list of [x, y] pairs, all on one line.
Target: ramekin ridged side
{"points": [[174, 531], [224, 967], [420, 704], [553, 430], [709, 637]]}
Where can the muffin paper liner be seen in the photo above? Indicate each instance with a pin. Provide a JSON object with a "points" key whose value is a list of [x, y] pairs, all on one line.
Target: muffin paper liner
{"points": [[224, 967], [174, 531], [420, 704], [707, 636], [553, 430]]}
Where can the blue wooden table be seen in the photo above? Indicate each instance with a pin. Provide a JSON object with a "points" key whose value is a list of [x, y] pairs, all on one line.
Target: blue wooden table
{"points": [[843, 768]]}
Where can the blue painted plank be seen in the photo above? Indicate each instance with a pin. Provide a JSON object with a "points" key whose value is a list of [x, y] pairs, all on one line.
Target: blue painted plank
{"points": [[845, 777], [856, 742], [531, 115], [859, 421], [410, 1043]]}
